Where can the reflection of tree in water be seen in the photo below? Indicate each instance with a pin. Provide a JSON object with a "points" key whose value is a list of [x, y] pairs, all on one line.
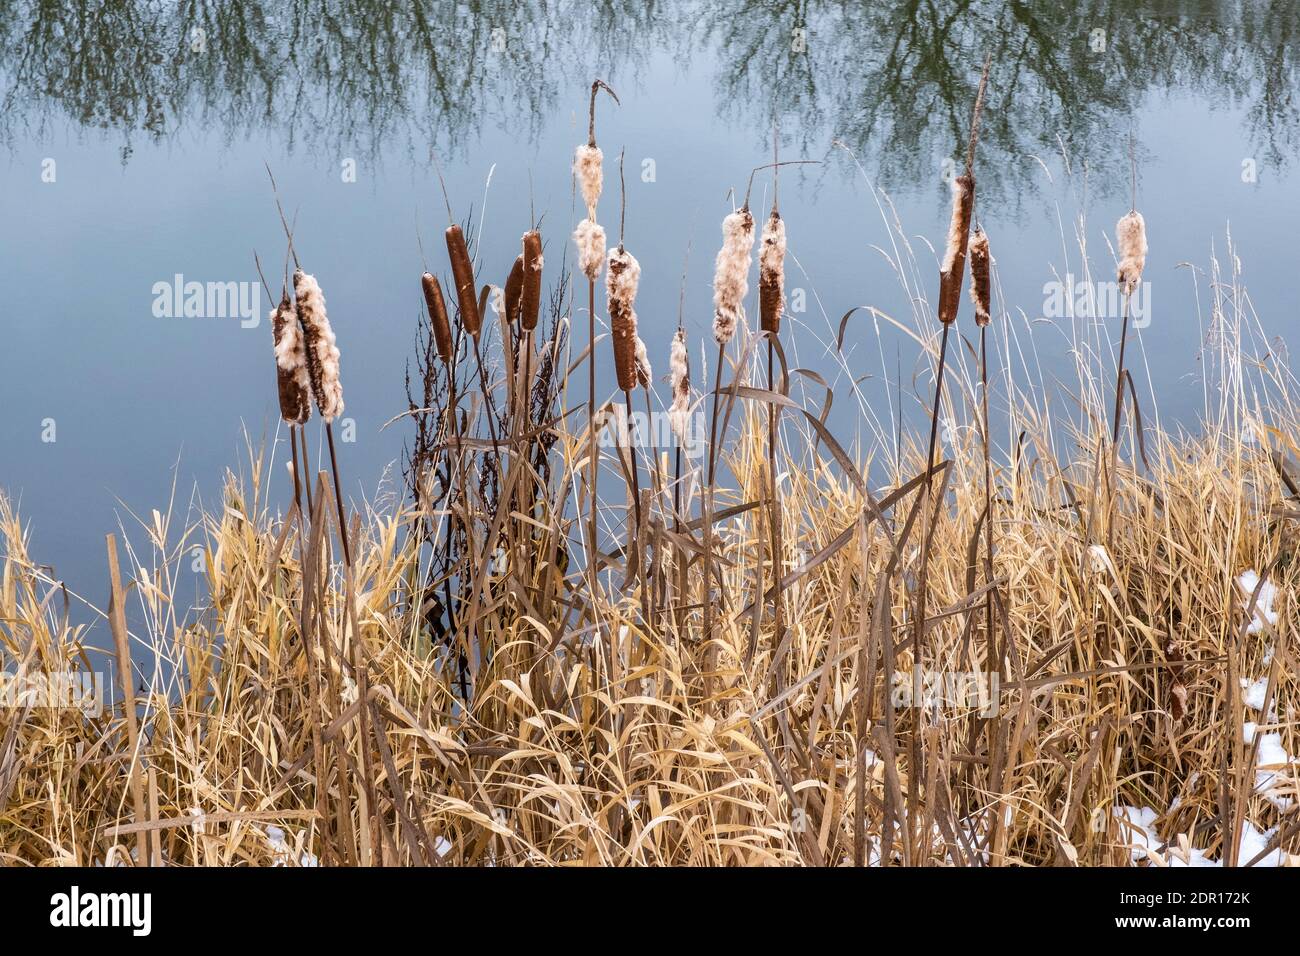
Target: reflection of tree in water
{"points": [[899, 79], [331, 73], [894, 80]]}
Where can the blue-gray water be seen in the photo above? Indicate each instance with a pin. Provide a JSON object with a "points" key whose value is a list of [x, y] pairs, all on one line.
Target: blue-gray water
{"points": [[132, 156]]}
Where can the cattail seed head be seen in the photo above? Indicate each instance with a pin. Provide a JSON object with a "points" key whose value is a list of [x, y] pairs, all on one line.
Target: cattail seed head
{"points": [[954, 259], [462, 272], [771, 274], [731, 274], [679, 369], [980, 286], [589, 237], [1131, 235], [643, 371], [321, 349], [437, 315], [621, 279], [587, 162], [514, 291], [291, 373], [531, 296]]}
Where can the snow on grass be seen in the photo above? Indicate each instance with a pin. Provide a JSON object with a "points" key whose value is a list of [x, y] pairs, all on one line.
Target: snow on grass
{"points": [[1264, 613]]}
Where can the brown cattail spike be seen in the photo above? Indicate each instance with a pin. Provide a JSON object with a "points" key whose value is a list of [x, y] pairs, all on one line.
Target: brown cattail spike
{"points": [[954, 260], [514, 291], [437, 316], [622, 275], [771, 274], [291, 364], [462, 272], [532, 280], [980, 286]]}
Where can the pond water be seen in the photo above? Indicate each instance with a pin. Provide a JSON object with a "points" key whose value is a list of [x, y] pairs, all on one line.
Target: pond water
{"points": [[136, 138]]}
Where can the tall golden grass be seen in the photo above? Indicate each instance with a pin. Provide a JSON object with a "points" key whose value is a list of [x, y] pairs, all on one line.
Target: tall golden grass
{"points": [[473, 687]]}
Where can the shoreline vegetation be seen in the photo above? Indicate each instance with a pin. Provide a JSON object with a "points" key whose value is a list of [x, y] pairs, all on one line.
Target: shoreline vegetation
{"points": [[1039, 639]]}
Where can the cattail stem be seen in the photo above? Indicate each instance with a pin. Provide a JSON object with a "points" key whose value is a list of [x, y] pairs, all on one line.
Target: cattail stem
{"points": [[778, 607], [306, 469], [593, 466], [707, 582], [636, 547], [923, 584], [338, 498], [297, 484], [988, 499], [489, 406], [1119, 383]]}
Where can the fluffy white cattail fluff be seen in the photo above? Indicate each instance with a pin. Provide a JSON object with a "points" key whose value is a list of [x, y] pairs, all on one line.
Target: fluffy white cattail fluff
{"points": [[621, 279], [731, 274], [1131, 234], [291, 364], [771, 274], [980, 284], [679, 368], [587, 162], [643, 371], [589, 237], [322, 350], [954, 257]]}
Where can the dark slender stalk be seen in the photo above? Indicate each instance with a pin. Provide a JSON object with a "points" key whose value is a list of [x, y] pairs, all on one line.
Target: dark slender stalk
{"points": [[923, 581], [634, 542], [778, 605], [297, 483], [1119, 382], [593, 466], [988, 499], [306, 468], [338, 497], [707, 581]]}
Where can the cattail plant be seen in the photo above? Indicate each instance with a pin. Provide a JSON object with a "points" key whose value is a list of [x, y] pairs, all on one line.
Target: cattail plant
{"points": [[730, 286], [1131, 238], [467, 304], [622, 276], [771, 293], [589, 237], [323, 358], [981, 295], [951, 273]]}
